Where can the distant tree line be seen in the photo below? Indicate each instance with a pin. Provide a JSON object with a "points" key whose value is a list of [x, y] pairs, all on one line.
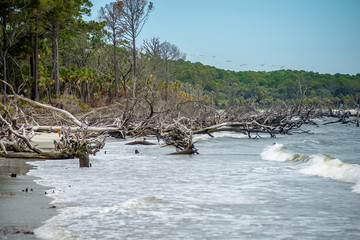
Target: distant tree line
{"points": [[226, 88], [47, 51]]}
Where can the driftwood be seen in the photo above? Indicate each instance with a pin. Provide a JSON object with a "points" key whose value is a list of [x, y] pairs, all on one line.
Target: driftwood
{"points": [[76, 145], [79, 145], [73, 144], [32, 155], [66, 113], [344, 118], [190, 149], [93, 130], [243, 127], [173, 123], [140, 142], [180, 137]]}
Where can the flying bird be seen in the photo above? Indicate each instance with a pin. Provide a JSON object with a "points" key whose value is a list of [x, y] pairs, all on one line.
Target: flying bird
{"points": [[262, 64]]}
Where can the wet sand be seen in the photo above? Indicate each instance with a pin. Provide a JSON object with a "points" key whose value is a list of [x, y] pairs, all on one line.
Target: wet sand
{"points": [[24, 205]]}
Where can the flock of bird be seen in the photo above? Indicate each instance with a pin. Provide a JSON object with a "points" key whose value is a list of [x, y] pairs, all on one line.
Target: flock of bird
{"points": [[241, 65]]}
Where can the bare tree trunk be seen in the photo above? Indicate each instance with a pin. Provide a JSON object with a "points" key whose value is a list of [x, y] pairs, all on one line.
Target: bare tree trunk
{"points": [[57, 85], [124, 87], [32, 60], [134, 73], [84, 160], [36, 59], [5, 71], [115, 67], [166, 79], [5, 59], [55, 56]]}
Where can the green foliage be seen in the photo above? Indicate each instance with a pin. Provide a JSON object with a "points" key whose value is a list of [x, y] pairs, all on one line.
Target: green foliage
{"points": [[265, 88], [87, 70]]}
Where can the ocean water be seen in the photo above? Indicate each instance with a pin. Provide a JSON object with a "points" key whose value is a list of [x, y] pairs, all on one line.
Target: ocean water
{"points": [[301, 186]]}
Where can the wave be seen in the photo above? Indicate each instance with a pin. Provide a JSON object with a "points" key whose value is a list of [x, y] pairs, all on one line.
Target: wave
{"points": [[276, 153], [317, 165], [313, 141], [140, 202], [333, 168], [222, 134]]}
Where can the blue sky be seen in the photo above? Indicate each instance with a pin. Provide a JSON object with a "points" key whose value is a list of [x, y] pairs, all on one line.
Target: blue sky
{"points": [[260, 35]]}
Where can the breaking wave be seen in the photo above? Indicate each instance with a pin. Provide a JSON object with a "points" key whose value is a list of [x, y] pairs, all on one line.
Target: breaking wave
{"points": [[327, 167], [276, 153], [317, 165]]}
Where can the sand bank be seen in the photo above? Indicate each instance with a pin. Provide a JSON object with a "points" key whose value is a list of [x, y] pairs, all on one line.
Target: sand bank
{"points": [[23, 203]]}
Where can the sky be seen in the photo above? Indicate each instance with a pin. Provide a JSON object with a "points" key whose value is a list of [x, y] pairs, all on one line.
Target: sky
{"points": [[259, 35]]}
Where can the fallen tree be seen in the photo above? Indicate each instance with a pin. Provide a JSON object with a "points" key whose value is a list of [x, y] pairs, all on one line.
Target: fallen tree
{"points": [[174, 123], [344, 117], [140, 142], [15, 137], [79, 145]]}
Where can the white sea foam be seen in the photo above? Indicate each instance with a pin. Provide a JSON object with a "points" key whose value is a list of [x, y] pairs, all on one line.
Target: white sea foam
{"points": [[225, 134], [148, 195], [201, 137], [356, 188], [318, 165], [141, 202], [312, 141], [276, 153], [324, 166]]}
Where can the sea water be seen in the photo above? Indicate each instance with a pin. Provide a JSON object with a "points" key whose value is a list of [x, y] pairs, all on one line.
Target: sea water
{"points": [[301, 186]]}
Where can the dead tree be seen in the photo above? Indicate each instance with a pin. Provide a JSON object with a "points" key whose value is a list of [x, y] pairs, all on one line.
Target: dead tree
{"points": [[345, 118], [79, 145], [180, 137], [15, 137]]}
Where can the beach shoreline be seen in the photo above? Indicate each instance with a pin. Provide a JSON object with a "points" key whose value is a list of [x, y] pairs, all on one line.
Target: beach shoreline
{"points": [[24, 206]]}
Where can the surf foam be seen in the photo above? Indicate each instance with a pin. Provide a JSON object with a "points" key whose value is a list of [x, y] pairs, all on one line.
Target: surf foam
{"points": [[327, 167], [276, 153]]}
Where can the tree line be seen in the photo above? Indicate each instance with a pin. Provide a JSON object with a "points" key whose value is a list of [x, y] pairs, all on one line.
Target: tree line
{"points": [[47, 51], [263, 89]]}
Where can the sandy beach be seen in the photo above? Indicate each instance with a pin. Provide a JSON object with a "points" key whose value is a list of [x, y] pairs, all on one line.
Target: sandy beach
{"points": [[24, 205]]}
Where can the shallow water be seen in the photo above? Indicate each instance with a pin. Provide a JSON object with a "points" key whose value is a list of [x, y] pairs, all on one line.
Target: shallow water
{"points": [[303, 186]]}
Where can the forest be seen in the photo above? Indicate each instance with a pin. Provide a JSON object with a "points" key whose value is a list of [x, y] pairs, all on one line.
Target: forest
{"points": [[99, 76], [48, 51]]}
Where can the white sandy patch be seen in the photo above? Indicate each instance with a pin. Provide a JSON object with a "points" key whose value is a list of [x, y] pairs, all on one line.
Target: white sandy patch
{"points": [[45, 140]]}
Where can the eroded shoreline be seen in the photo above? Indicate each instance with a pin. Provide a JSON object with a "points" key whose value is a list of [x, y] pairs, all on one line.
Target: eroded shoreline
{"points": [[24, 205]]}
